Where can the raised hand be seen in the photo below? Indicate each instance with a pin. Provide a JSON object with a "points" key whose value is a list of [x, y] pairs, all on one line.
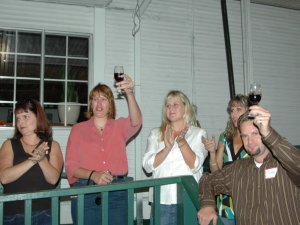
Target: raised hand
{"points": [[262, 119], [210, 144], [127, 84], [169, 137]]}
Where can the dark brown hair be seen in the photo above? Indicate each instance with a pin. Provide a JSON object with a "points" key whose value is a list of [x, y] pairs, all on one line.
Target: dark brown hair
{"points": [[43, 130]]}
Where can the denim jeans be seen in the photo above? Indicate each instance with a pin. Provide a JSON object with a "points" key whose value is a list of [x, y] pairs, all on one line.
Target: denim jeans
{"points": [[168, 215], [117, 207], [38, 218]]}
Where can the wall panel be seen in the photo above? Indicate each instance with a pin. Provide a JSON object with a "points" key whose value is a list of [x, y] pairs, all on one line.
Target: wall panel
{"points": [[48, 16]]}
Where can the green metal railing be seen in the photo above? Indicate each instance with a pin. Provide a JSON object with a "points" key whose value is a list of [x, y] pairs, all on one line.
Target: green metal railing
{"points": [[187, 199]]}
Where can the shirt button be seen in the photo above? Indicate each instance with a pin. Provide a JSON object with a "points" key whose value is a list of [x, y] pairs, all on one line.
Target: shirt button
{"points": [[102, 149], [104, 162]]}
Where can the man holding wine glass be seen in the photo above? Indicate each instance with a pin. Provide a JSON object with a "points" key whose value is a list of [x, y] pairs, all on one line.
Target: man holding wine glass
{"points": [[265, 187]]}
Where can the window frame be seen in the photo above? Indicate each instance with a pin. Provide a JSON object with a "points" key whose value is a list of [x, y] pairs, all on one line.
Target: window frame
{"points": [[42, 78]]}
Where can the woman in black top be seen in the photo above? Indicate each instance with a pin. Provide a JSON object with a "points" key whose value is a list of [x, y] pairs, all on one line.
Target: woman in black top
{"points": [[30, 161]]}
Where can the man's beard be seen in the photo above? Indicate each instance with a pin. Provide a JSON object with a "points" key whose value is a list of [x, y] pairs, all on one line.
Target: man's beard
{"points": [[257, 152]]}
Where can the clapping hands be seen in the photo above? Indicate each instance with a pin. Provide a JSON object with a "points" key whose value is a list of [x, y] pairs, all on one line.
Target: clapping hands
{"points": [[170, 136], [39, 153]]}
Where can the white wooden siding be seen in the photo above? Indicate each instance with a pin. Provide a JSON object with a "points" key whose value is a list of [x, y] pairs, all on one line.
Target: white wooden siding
{"points": [[276, 56], [38, 15], [182, 47]]}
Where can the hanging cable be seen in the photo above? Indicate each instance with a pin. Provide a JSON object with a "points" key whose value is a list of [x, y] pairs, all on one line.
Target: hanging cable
{"points": [[136, 16]]}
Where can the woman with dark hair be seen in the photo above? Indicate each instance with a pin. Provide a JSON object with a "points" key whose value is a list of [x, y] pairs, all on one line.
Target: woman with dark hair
{"points": [[96, 152], [230, 148], [30, 161]]}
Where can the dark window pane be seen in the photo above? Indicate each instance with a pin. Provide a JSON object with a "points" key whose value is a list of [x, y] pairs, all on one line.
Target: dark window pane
{"points": [[82, 89], [72, 92], [29, 43], [7, 41], [55, 68], [77, 92], [78, 69], [52, 114], [55, 45], [28, 89], [82, 114], [6, 114], [6, 89], [78, 47], [28, 66], [7, 65], [53, 91]]}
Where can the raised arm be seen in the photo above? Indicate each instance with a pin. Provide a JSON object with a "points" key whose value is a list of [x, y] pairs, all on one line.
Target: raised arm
{"points": [[216, 155], [285, 152], [134, 110]]}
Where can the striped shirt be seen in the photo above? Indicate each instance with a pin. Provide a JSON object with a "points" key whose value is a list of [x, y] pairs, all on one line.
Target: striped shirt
{"points": [[264, 195]]}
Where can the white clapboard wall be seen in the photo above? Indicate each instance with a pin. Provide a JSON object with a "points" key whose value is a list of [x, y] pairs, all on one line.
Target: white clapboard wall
{"points": [[181, 46]]}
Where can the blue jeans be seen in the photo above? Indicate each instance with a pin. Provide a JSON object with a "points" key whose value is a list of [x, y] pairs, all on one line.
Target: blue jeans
{"points": [[117, 207], [38, 218], [227, 221], [168, 215]]}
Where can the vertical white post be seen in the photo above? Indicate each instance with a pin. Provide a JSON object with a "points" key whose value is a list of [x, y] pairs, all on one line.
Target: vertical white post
{"points": [[247, 44]]}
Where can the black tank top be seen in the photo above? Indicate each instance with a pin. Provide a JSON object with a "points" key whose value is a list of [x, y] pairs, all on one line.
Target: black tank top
{"points": [[32, 180]]}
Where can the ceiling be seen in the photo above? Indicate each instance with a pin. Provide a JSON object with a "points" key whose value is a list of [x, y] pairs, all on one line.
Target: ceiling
{"points": [[290, 4]]}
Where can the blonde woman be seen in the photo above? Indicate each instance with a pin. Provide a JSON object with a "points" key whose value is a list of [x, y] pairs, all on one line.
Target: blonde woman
{"points": [[175, 149]]}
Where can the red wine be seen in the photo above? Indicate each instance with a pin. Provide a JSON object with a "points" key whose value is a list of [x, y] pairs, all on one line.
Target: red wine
{"points": [[118, 77], [254, 99]]}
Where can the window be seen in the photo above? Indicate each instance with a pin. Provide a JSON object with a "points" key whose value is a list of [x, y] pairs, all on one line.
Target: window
{"points": [[52, 68]]}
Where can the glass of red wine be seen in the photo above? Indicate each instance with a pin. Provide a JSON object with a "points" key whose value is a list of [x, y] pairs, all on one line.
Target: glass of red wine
{"points": [[254, 95], [118, 76]]}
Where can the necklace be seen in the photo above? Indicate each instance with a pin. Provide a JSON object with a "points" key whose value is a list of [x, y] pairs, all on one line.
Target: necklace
{"points": [[32, 145], [101, 128]]}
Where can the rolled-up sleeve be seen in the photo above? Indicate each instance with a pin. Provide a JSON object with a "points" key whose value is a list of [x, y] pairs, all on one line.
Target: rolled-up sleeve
{"points": [[151, 150]]}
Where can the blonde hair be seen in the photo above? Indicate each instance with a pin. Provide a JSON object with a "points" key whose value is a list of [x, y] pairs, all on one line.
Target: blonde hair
{"points": [[240, 100], [189, 115]]}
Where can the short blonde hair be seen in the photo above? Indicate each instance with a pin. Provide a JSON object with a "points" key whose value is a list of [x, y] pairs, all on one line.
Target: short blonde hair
{"points": [[189, 115]]}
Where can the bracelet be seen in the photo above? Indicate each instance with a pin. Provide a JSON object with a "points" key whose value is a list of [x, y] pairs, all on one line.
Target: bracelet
{"points": [[213, 164], [182, 144], [88, 181]]}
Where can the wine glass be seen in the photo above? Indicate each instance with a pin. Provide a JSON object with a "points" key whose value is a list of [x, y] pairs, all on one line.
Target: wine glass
{"points": [[118, 75], [254, 95]]}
